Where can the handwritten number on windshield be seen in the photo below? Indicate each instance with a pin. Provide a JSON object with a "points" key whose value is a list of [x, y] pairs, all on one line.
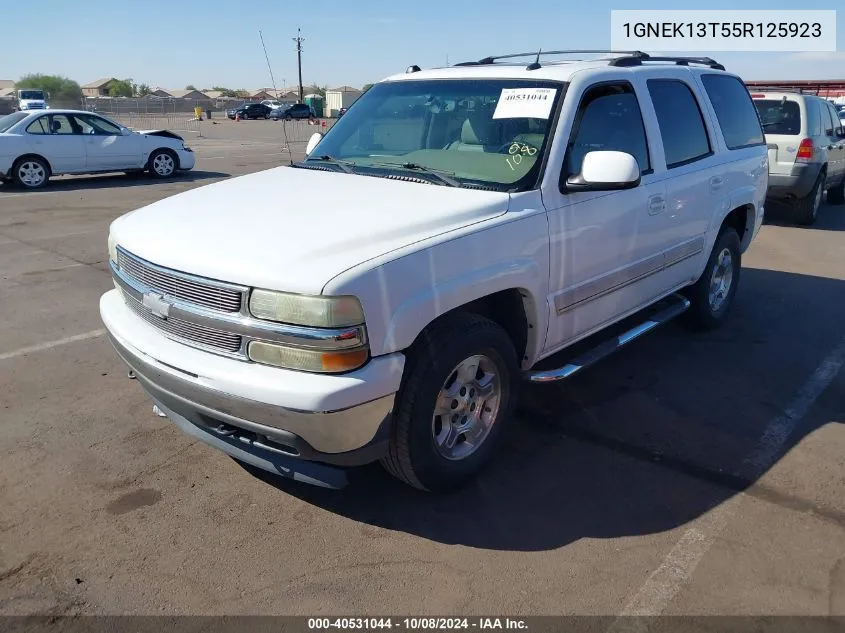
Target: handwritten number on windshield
{"points": [[517, 151]]}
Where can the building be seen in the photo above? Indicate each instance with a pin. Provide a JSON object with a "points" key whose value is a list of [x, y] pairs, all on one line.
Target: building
{"points": [[171, 93], [340, 97], [828, 88], [98, 88]]}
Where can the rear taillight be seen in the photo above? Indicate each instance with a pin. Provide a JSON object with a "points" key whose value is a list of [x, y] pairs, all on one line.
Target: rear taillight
{"points": [[805, 150]]}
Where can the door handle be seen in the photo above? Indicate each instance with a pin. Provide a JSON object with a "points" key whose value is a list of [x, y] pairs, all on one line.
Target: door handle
{"points": [[716, 183], [656, 204]]}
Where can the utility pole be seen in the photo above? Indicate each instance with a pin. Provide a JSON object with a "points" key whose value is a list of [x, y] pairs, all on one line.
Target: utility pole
{"points": [[299, 39]]}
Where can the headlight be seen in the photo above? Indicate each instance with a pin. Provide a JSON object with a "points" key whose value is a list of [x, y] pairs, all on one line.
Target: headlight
{"points": [[112, 248], [313, 311]]}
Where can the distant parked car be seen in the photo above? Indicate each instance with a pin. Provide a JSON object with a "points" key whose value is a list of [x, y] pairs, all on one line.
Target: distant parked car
{"points": [[296, 111], [341, 112], [251, 111], [272, 104], [806, 142], [35, 145]]}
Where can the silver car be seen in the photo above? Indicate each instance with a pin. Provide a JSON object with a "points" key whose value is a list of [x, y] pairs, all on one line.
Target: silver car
{"points": [[806, 142]]}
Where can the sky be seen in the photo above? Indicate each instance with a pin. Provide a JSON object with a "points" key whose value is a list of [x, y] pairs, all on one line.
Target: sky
{"points": [[171, 44]]}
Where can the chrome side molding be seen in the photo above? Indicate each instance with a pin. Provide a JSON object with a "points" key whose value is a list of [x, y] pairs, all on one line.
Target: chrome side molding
{"points": [[678, 305]]}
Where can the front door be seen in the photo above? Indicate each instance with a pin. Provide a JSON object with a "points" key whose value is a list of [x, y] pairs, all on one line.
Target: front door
{"points": [[106, 146], [605, 245]]}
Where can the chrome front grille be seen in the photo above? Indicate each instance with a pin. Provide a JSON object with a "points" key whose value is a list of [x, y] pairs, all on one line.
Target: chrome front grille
{"points": [[191, 333], [171, 283]]}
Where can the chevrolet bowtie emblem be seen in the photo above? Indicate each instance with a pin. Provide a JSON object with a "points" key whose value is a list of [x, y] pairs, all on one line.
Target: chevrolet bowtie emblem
{"points": [[156, 304]]}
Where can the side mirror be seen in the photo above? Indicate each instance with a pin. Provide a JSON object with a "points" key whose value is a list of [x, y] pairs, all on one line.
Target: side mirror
{"points": [[315, 139], [606, 171]]}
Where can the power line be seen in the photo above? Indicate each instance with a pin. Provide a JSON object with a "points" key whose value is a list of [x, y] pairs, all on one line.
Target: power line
{"points": [[268, 65]]}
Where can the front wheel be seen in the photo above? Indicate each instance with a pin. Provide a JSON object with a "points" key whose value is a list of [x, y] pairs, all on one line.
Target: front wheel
{"points": [[836, 195], [712, 295], [162, 163], [454, 405]]}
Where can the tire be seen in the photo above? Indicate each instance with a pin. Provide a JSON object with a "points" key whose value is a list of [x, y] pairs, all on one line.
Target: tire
{"points": [[836, 195], [419, 451], [31, 172], [288, 117], [163, 163], [708, 312], [807, 208]]}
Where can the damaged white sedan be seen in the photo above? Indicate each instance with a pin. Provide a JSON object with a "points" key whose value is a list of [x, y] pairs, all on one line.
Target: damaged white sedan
{"points": [[37, 145]]}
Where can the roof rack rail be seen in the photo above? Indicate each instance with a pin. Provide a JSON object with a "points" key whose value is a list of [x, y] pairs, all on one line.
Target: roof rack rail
{"points": [[486, 61], [797, 89], [637, 60]]}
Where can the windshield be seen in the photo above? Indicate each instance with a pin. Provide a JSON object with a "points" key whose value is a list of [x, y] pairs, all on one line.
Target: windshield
{"points": [[779, 117], [31, 94], [488, 132], [6, 122]]}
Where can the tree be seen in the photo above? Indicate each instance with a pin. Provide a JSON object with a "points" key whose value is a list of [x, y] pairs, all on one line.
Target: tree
{"points": [[314, 89], [241, 92], [61, 90], [366, 87], [142, 90], [190, 87], [121, 88]]}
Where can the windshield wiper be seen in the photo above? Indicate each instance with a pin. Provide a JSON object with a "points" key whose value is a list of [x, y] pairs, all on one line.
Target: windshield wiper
{"points": [[343, 164], [442, 175]]}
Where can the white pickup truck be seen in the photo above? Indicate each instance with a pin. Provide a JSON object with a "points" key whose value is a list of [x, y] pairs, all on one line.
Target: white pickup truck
{"points": [[456, 227]]}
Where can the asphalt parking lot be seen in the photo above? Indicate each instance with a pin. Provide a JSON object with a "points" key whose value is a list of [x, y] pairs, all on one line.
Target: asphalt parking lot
{"points": [[688, 474]]}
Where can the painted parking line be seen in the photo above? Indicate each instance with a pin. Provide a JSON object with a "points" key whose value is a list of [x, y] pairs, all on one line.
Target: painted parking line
{"points": [[51, 344], [679, 565]]}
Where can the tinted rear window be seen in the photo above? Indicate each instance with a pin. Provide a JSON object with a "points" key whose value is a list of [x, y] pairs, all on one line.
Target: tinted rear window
{"points": [[779, 117], [734, 111]]}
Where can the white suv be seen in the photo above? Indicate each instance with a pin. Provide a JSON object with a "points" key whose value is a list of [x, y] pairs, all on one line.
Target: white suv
{"points": [[806, 142], [473, 221]]}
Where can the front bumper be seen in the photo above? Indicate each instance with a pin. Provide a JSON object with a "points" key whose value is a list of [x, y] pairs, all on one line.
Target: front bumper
{"points": [[187, 160], [282, 421]]}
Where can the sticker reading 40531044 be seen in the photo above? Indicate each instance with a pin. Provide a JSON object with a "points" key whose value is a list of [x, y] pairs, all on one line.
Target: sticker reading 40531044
{"points": [[525, 103]]}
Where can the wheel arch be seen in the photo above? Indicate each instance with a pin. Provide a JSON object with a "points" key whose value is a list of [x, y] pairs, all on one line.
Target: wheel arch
{"points": [[15, 162], [163, 148]]}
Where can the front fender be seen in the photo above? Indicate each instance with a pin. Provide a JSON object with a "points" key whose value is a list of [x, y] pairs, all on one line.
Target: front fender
{"points": [[416, 312]]}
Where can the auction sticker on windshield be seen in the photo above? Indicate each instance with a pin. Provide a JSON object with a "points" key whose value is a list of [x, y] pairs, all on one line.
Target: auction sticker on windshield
{"points": [[525, 103]]}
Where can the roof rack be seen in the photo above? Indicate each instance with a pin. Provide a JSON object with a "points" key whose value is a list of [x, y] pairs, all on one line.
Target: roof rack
{"points": [[486, 61], [638, 59]]}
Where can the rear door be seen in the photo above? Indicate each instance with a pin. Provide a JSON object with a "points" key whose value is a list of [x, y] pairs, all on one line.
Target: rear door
{"points": [[835, 144], [56, 139]]}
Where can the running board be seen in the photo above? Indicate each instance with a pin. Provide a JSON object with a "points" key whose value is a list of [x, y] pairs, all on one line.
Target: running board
{"points": [[679, 305]]}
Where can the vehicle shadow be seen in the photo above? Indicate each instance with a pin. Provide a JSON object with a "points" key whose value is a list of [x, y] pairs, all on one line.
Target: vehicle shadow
{"points": [[115, 180], [831, 217], [646, 441]]}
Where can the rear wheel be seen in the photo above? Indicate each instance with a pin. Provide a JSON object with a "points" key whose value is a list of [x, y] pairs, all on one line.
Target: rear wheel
{"points": [[454, 405], [31, 172], [711, 297], [807, 208]]}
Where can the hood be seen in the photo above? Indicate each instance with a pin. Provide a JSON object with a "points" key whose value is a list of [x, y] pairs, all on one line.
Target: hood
{"points": [[162, 133], [296, 229]]}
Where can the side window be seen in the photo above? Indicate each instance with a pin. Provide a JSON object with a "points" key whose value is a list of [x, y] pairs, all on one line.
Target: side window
{"points": [[827, 120], [681, 122], [735, 111], [837, 123], [608, 118], [39, 126], [95, 125], [815, 125], [61, 124]]}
